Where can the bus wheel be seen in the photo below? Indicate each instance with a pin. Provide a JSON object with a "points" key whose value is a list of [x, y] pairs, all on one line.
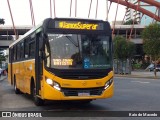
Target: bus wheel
{"points": [[38, 101], [16, 90]]}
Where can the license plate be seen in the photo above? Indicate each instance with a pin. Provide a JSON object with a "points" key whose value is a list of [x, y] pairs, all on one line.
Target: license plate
{"points": [[83, 94]]}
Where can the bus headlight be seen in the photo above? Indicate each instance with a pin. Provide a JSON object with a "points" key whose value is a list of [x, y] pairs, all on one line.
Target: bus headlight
{"points": [[53, 84], [108, 83], [56, 86], [49, 81]]}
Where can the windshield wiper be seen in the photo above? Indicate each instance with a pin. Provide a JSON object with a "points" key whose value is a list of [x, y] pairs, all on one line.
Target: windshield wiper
{"points": [[70, 39]]}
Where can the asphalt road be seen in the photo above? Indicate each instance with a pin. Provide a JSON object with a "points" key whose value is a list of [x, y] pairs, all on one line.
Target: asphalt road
{"points": [[131, 94]]}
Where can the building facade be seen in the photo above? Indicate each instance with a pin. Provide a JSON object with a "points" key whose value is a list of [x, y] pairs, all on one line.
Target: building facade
{"points": [[139, 17], [146, 20], [132, 14]]}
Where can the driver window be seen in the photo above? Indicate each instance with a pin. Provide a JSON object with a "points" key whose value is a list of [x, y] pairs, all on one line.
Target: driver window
{"points": [[47, 56]]}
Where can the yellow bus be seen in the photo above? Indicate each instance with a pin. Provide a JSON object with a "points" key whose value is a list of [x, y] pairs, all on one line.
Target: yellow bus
{"points": [[63, 59]]}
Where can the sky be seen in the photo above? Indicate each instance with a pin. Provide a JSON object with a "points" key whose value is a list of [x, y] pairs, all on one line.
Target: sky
{"points": [[21, 10]]}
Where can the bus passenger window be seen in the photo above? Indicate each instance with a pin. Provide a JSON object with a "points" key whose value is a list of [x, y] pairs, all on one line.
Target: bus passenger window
{"points": [[26, 44], [22, 50], [32, 49], [14, 53], [18, 51]]}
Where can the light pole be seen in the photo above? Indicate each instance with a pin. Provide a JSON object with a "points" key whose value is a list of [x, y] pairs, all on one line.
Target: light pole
{"points": [[106, 10]]}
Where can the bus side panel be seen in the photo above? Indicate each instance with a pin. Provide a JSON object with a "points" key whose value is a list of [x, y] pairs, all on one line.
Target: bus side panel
{"points": [[17, 71], [10, 70], [15, 75], [9, 73], [29, 74], [21, 76], [23, 72]]}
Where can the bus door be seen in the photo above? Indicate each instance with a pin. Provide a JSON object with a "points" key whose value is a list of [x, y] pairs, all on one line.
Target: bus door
{"points": [[38, 63]]}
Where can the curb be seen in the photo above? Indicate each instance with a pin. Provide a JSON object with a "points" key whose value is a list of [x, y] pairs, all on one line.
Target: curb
{"points": [[137, 76], [3, 79]]}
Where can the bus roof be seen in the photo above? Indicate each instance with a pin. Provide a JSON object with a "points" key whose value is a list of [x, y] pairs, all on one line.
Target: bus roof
{"points": [[26, 34], [47, 19]]}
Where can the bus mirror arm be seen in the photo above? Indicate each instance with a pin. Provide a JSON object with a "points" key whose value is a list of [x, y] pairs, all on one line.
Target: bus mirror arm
{"points": [[41, 44], [40, 47], [42, 55]]}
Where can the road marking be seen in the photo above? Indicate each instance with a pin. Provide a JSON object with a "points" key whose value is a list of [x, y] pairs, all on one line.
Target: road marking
{"points": [[140, 82]]}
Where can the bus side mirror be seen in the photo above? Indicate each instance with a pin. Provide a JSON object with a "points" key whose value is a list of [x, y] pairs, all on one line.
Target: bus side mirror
{"points": [[42, 54]]}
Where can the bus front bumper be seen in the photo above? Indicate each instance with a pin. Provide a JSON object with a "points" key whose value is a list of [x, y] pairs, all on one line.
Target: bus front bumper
{"points": [[50, 93]]}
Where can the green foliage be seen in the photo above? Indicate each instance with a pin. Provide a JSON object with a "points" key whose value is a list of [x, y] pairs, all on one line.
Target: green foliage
{"points": [[2, 58], [123, 49], [130, 22], [151, 37], [151, 32], [137, 66], [152, 47], [2, 21]]}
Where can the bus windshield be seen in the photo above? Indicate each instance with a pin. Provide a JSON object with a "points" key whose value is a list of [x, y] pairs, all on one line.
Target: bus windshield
{"points": [[78, 51]]}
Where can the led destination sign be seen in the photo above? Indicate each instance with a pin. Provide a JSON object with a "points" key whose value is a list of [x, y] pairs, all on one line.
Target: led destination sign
{"points": [[62, 62], [76, 25]]}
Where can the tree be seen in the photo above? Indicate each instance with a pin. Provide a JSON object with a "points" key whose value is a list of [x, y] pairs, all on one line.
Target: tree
{"points": [[151, 37], [2, 21], [123, 50], [2, 58]]}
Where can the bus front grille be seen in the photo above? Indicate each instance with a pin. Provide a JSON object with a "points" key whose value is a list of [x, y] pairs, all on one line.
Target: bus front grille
{"points": [[80, 74], [80, 91], [83, 74]]}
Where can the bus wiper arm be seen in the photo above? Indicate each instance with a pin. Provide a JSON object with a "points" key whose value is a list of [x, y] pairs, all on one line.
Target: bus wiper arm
{"points": [[70, 39]]}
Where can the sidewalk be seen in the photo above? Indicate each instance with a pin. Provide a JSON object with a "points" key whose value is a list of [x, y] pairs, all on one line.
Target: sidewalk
{"points": [[140, 74], [3, 77]]}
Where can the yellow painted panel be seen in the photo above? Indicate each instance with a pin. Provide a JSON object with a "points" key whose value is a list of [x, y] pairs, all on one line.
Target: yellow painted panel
{"points": [[9, 73], [23, 72], [48, 92]]}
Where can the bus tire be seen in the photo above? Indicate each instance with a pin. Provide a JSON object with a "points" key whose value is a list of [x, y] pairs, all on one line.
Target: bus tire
{"points": [[37, 101], [16, 90]]}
